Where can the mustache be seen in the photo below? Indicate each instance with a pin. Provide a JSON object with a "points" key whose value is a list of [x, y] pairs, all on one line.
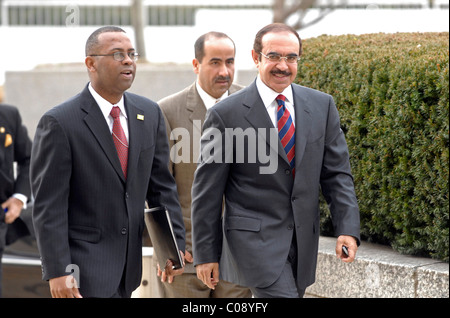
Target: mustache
{"points": [[222, 78], [280, 72]]}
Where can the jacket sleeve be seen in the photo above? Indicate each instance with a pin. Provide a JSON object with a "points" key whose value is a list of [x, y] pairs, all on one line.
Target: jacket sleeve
{"points": [[207, 192], [162, 187], [337, 180], [50, 178], [22, 154]]}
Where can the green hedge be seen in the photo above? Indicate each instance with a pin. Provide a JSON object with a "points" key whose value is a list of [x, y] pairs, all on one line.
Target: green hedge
{"points": [[392, 92]]}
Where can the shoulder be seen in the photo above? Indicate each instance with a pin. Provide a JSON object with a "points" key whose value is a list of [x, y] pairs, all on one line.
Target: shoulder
{"points": [[235, 87], [176, 98], [303, 90], [234, 100], [68, 109], [8, 110], [139, 101]]}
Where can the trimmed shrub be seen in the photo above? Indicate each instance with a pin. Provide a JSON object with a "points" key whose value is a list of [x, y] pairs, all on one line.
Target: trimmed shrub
{"points": [[392, 93]]}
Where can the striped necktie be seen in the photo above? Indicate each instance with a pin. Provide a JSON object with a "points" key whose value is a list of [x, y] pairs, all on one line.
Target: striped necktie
{"points": [[120, 140], [286, 131]]}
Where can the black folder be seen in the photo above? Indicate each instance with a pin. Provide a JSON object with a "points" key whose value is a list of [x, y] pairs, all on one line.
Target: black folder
{"points": [[160, 229]]}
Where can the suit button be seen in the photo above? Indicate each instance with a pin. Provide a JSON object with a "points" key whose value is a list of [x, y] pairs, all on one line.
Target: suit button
{"points": [[124, 231], [290, 226], [127, 195], [287, 172]]}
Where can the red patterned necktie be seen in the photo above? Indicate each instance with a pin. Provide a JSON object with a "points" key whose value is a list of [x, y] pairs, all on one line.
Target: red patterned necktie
{"points": [[286, 131], [119, 139]]}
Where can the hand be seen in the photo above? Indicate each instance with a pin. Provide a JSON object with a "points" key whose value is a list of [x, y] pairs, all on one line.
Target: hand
{"points": [[168, 273], [208, 273], [64, 287], [352, 246], [14, 207]]}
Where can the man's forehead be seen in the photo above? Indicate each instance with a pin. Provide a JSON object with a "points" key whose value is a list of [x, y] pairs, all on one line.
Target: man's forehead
{"points": [[112, 37]]}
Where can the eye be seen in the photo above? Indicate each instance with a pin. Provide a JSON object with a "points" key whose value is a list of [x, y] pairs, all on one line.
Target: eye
{"points": [[273, 57], [119, 55]]}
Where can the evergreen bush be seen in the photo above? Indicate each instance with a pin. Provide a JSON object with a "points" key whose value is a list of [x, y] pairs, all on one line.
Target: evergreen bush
{"points": [[392, 93]]}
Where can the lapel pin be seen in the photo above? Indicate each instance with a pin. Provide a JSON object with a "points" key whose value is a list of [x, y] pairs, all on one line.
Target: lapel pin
{"points": [[140, 117], [2, 130], [8, 140]]}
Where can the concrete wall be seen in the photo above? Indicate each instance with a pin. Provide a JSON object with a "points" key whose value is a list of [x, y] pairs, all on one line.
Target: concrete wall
{"points": [[378, 272], [36, 91]]}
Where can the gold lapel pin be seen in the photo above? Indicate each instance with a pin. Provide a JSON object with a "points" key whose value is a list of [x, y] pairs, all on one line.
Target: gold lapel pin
{"points": [[8, 140], [140, 117]]}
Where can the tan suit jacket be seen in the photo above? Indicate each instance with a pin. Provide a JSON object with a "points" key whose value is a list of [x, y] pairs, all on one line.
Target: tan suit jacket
{"points": [[185, 110]]}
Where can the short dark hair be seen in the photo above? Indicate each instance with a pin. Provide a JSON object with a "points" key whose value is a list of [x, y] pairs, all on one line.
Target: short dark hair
{"points": [[199, 45], [92, 41], [274, 27]]}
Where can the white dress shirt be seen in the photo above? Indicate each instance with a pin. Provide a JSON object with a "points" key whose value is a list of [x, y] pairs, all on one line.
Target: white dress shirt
{"points": [[268, 97], [106, 107], [208, 100]]}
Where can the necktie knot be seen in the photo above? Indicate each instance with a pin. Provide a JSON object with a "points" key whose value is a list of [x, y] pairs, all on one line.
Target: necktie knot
{"points": [[115, 112], [280, 99]]}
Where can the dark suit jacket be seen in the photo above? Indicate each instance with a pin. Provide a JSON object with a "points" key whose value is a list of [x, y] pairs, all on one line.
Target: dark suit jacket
{"points": [[15, 146], [85, 212], [262, 210]]}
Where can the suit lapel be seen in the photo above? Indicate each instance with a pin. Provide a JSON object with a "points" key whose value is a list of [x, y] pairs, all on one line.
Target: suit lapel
{"points": [[136, 132], [302, 123], [195, 105], [96, 122], [258, 117]]}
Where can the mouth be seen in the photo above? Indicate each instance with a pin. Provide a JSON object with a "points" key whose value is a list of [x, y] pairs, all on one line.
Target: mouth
{"points": [[127, 73]]}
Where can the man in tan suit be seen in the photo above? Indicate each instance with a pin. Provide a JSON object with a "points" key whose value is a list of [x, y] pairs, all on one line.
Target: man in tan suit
{"points": [[184, 113]]}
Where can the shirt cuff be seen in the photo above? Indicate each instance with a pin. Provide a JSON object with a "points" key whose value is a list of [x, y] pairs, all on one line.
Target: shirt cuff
{"points": [[22, 198]]}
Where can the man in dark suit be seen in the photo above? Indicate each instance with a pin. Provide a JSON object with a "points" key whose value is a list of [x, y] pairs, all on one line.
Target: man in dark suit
{"points": [[271, 219], [15, 147], [214, 66], [93, 167]]}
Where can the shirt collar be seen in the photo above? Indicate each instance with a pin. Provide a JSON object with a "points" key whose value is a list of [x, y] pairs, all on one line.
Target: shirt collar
{"points": [[106, 106], [207, 99], [268, 95]]}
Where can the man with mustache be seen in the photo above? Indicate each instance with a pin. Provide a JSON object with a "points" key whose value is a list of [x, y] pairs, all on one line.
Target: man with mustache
{"points": [[271, 220], [96, 159], [214, 66]]}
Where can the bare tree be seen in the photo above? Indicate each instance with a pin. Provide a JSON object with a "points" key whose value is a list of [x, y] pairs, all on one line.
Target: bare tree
{"points": [[286, 10], [138, 23]]}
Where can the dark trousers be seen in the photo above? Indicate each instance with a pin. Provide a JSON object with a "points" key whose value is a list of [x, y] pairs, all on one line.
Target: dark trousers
{"points": [[285, 286]]}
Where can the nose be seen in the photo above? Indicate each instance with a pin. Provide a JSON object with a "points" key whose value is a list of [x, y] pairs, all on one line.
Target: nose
{"points": [[282, 65], [223, 70], [127, 60]]}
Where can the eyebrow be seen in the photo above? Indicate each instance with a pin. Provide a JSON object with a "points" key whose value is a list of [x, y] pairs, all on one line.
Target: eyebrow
{"points": [[121, 49], [290, 54], [215, 59]]}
